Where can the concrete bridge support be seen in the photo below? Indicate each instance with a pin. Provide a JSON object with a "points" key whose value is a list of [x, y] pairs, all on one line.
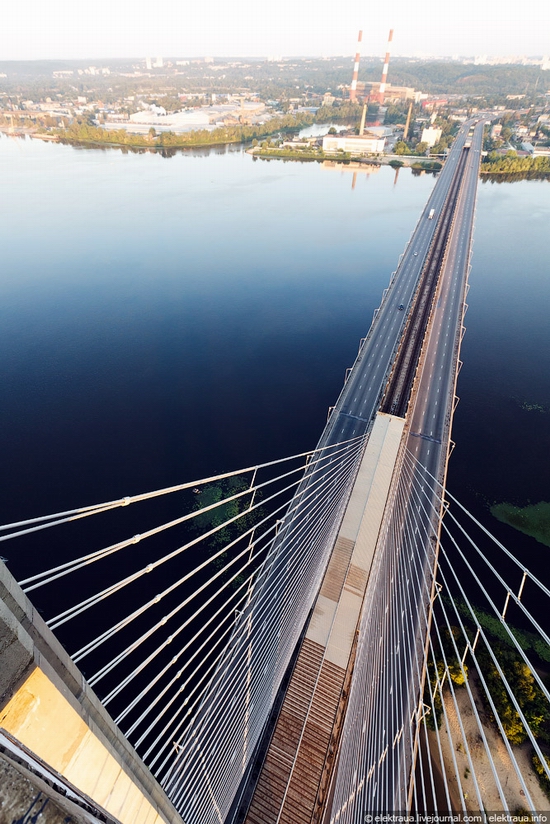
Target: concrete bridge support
{"points": [[47, 706]]}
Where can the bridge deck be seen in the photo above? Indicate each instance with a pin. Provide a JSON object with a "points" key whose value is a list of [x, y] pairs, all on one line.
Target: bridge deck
{"points": [[295, 777]]}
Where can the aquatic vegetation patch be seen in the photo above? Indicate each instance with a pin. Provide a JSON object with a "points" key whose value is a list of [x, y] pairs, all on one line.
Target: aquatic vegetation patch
{"points": [[532, 407], [528, 405], [533, 520]]}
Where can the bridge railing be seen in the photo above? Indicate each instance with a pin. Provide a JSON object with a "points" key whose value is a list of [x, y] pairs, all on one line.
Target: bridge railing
{"points": [[191, 622], [478, 730]]}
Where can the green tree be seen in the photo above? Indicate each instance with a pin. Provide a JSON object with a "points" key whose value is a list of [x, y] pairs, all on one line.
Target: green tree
{"points": [[541, 772], [437, 674], [529, 696], [401, 148], [459, 674], [344, 112], [511, 163]]}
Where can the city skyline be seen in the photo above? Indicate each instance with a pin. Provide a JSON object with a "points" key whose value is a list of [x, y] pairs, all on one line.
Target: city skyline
{"points": [[60, 29]]}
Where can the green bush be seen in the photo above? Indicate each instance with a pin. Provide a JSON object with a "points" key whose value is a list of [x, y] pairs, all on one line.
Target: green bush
{"points": [[544, 781]]}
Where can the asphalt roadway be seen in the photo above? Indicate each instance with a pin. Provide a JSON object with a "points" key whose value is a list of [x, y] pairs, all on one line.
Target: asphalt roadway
{"points": [[360, 398], [415, 527], [429, 417]]}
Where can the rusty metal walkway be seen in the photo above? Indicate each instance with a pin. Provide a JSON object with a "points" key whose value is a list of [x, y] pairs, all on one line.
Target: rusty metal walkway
{"points": [[294, 782]]}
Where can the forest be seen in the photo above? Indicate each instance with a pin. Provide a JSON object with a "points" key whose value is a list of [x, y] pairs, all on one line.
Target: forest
{"points": [[513, 164]]}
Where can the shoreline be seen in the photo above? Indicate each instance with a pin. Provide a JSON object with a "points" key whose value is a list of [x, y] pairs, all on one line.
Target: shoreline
{"points": [[69, 141], [174, 141], [532, 174], [395, 161]]}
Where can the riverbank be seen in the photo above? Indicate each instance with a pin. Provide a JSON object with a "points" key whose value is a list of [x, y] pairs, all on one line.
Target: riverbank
{"points": [[310, 154], [513, 167], [84, 133], [297, 154], [512, 177]]}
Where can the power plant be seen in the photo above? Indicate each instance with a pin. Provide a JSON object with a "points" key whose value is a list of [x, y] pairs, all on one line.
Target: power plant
{"points": [[372, 91]]}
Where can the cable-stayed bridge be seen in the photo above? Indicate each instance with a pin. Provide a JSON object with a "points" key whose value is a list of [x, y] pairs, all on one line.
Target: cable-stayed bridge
{"points": [[292, 643]]}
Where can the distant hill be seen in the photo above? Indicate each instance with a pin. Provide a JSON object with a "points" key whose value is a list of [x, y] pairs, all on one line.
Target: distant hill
{"points": [[289, 77]]}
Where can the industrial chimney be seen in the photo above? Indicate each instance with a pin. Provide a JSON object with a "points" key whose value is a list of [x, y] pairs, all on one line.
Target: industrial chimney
{"points": [[353, 89], [385, 70]]}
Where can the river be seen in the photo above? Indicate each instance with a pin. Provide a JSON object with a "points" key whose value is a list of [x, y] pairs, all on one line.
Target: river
{"points": [[162, 319]]}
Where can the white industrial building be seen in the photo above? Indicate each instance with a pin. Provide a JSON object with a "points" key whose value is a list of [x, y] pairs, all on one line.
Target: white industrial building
{"points": [[431, 136], [354, 144], [207, 117]]}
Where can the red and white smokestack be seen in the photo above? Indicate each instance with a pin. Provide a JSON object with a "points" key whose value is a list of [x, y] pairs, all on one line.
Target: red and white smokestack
{"points": [[385, 69], [353, 89]]}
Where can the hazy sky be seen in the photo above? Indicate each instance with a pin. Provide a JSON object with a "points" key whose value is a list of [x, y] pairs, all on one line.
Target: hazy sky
{"points": [[34, 29]]}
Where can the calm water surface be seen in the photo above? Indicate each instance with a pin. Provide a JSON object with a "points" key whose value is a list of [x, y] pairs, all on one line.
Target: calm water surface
{"points": [[165, 318]]}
